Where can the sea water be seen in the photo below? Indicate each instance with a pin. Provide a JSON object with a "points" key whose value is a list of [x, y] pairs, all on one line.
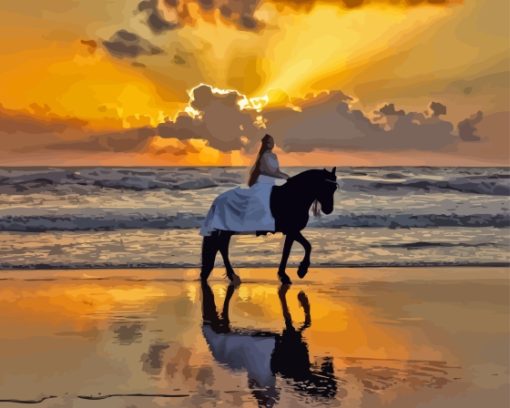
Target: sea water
{"points": [[99, 217]]}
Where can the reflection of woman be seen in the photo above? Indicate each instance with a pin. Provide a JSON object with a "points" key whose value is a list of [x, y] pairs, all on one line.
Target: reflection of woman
{"points": [[248, 210]]}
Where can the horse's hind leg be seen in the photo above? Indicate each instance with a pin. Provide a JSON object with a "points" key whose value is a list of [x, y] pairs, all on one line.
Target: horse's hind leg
{"points": [[209, 250], [223, 245], [284, 278]]}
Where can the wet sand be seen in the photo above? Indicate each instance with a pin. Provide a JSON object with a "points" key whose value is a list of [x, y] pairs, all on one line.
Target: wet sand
{"points": [[361, 337]]}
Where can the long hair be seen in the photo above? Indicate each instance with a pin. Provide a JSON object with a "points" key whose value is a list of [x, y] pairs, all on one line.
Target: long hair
{"points": [[255, 170]]}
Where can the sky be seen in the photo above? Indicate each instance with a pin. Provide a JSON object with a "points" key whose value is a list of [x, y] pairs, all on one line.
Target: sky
{"points": [[199, 82]]}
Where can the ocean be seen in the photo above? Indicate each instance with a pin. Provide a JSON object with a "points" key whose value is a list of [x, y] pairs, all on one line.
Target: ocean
{"points": [[105, 217]]}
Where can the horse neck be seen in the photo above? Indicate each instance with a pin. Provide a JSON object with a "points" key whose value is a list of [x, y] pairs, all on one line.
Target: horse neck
{"points": [[303, 191]]}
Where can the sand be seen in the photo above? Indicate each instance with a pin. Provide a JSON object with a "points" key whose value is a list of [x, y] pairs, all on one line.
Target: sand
{"points": [[403, 337]]}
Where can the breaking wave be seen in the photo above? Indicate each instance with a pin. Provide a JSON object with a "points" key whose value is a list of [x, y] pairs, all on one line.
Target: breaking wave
{"points": [[108, 222]]}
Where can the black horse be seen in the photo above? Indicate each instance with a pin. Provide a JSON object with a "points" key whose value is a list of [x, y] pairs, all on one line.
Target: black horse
{"points": [[264, 354], [290, 206]]}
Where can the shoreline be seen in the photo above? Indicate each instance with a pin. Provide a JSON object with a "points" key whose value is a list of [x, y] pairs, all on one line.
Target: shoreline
{"points": [[144, 266], [317, 275]]}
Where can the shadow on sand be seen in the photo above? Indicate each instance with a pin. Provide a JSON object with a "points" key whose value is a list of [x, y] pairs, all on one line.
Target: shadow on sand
{"points": [[264, 354]]}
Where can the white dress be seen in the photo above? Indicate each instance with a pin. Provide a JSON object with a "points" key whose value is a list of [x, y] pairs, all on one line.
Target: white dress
{"points": [[242, 209]]}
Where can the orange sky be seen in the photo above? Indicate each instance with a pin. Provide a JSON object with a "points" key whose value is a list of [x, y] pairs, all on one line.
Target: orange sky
{"points": [[121, 67]]}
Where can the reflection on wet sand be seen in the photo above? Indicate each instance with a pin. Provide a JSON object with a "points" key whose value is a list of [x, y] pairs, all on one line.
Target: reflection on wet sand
{"points": [[387, 339], [264, 354]]}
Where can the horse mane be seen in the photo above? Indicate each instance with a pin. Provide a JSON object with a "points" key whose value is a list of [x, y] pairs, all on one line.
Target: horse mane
{"points": [[304, 177]]}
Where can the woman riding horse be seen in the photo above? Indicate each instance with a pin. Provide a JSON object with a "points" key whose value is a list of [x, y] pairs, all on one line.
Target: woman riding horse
{"points": [[264, 208]]}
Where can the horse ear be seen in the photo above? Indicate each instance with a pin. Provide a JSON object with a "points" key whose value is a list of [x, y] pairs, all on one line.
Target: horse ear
{"points": [[333, 171]]}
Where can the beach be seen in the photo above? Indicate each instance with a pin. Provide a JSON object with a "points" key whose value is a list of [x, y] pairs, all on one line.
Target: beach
{"points": [[399, 337]]}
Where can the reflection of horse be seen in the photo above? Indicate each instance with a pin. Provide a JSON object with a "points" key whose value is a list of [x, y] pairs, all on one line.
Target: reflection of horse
{"points": [[290, 205], [264, 354]]}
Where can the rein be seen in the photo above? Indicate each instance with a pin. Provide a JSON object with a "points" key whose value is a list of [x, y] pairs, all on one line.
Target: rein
{"points": [[316, 211]]}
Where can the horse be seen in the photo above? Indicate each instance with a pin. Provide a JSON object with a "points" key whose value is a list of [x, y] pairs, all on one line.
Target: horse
{"points": [[290, 206], [265, 354]]}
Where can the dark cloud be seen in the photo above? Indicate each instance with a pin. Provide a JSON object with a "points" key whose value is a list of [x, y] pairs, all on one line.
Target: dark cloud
{"points": [[467, 127], [220, 120], [324, 121], [352, 4], [124, 44], [389, 109], [38, 120], [242, 13], [182, 150], [227, 121], [131, 140], [327, 121], [437, 108], [90, 44], [155, 19], [238, 13], [179, 60]]}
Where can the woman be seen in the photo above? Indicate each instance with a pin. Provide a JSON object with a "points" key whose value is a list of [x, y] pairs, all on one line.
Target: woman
{"points": [[266, 164], [248, 210]]}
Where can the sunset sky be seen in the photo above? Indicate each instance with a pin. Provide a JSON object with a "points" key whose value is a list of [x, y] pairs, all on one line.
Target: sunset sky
{"points": [[199, 82]]}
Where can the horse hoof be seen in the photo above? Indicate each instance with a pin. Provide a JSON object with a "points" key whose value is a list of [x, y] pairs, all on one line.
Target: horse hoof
{"points": [[235, 280], [285, 280], [303, 269], [303, 300]]}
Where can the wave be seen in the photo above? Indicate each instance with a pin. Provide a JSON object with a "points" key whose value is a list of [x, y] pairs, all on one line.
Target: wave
{"points": [[413, 221], [498, 185], [424, 245], [43, 223], [108, 222], [375, 182], [28, 181]]}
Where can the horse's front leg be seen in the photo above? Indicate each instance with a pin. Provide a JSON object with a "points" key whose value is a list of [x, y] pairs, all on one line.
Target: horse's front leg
{"points": [[223, 246], [284, 278], [305, 263]]}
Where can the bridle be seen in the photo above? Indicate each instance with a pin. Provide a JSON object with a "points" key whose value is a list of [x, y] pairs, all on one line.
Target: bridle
{"points": [[335, 182]]}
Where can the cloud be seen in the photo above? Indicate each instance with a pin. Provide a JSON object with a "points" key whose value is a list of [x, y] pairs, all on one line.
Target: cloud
{"points": [[90, 44], [155, 19], [228, 121], [389, 109], [324, 121], [130, 140], [39, 120], [437, 108], [124, 44], [327, 121], [215, 116], [165, 15], [307, 5], [467, 127]]}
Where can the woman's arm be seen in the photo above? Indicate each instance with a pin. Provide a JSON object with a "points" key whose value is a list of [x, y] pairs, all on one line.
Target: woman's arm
{"points": [[269, 167]]}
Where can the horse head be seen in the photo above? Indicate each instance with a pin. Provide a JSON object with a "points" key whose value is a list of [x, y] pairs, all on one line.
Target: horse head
{"points": [[327, 186]]}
